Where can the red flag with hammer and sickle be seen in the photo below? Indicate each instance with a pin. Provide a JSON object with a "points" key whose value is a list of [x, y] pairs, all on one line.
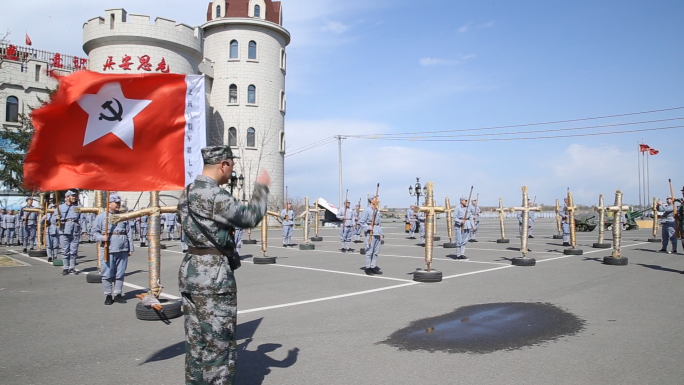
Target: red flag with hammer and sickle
{"points": [[118, 132]]}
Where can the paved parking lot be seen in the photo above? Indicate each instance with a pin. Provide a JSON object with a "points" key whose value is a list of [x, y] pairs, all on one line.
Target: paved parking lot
{"points": [[316, 318]]}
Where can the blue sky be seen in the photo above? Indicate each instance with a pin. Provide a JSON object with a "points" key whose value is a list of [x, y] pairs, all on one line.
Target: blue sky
{"points": [[358, 67]]}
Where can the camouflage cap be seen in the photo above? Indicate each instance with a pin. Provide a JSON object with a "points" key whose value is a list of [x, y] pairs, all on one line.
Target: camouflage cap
{"points": [[215, 154]]}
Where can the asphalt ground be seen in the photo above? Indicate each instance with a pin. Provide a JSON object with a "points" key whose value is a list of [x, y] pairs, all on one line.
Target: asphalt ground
{"points": [[316, 318]]}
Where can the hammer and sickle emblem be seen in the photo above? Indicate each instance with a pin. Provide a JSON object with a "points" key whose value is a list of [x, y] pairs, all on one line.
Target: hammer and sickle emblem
{"points": [[116, 114]]}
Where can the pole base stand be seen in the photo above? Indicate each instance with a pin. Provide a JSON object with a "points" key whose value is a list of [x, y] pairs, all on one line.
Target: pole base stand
{"points": [[622, 261], [523, 261], [449, 245], [57, 262], [601, 245], [422, 275], [94, 277], [503, 241], [436, 238], [316, 239], [362, 251], [264, 260], [557, 237], [38, 253], [304, 246], [249, 241], [573, 252], [655, 240]]}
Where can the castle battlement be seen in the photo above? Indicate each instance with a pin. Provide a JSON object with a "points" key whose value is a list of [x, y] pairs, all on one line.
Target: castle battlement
{"points": [[120, 27]]}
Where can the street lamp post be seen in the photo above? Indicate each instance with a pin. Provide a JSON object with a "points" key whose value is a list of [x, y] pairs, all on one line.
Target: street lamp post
{"points": [[418, 192], [241, 181]]}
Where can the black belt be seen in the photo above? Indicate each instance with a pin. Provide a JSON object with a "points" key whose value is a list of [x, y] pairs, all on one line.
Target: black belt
{"points": [[204, 251]]}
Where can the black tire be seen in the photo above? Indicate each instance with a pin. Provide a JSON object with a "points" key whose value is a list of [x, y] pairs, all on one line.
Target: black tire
{"points": [[557, 237], [622, 261], [601, 245], [449, 245], [57, 262], [94, 278], [162, 246], [609, 227], [437, 238], [573, 252], [264, 260], [654, 240], [316, 239], [37, 253], [170, 309], [421, 275], [307, 247], [362, 251], [524, 261], [636, 227], [503, 241], [249, 241]]}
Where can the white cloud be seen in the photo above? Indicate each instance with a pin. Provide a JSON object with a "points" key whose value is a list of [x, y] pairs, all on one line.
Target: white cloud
{"points": [[335, 27], [464, 28], [432, 61], [486, 25]]}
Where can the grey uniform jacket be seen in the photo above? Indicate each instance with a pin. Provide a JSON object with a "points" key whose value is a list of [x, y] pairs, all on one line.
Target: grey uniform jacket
{"points": [[120, 234], [348, 216], [290, 217], [366, 218], [71, 220], [668, 213], [533, 215], [28, 219], [9, 221], [461, 213]]}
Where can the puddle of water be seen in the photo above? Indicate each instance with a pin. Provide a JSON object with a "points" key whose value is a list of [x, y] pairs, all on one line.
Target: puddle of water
{"points": [[488, 327]]}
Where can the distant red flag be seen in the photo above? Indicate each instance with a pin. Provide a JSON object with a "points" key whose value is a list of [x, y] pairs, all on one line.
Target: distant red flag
{"points": [[118, 132], [28, 40], [653, 151], [644, 147]]}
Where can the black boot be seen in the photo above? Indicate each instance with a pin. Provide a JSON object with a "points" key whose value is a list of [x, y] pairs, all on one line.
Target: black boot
{"points": [[108, 300], [119, 299]]}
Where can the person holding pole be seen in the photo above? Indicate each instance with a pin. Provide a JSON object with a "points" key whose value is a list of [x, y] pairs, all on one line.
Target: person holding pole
{"points": [[116, 242], [69, 232], [287, 215], [463, 223], [29, 223], [668, 223], [348, 218], [371, 220], [565, 223], [475, 211], [680, 217]]}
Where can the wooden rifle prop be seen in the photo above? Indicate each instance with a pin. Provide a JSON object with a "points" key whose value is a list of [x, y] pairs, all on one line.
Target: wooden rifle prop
{"points": [[287, 211], [59, 215], [477, 205], [356, 224], [375, 212], [467, 209], [105, 238], [344, 213]]}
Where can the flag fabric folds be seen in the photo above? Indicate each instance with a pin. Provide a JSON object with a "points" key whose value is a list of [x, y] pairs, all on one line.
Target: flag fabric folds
{"points": [[28, 40], [119, 132], [643, 147], [653, 151]]}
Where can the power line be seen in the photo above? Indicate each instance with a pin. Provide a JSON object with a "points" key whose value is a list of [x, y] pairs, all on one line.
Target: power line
{"points": [[312, 146]]}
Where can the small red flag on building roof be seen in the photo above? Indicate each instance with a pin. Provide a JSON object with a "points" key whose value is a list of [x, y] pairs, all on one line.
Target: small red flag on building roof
{"points": [[28, 40]]}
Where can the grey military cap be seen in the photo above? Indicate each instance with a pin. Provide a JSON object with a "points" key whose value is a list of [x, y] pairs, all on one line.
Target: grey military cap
{"points": [[215, 154], [69, 193], [464, 198], [114, 198]]}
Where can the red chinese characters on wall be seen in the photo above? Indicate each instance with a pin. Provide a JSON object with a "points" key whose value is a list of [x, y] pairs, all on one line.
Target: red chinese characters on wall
{"points": [[80, 63], [56, 61], [145, 64], [11, 53]]}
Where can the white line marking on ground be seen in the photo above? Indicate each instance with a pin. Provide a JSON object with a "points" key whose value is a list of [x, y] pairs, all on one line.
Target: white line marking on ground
{"points": [[477, 272], [340, 272], [326, 298], [132, 286], [589, 252]]}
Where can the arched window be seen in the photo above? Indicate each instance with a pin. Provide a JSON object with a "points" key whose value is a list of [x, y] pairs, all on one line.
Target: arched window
{"points": [[251, 137], [282, 141], [257, 11], [232, 137], [218, 11], [232, 94], [282, 101], [252, 50], [282, 58], [251, 94], [12, 109], [234, 49]]}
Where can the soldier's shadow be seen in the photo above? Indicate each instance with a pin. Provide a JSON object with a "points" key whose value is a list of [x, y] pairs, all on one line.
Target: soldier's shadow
{"points": [[254, 365]]}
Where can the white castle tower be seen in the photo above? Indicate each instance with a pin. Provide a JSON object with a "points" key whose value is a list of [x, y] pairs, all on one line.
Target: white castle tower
{"points": [[241, 51], [244, 43]]}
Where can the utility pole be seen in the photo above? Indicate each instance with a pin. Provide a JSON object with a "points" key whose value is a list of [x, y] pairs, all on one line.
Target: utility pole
{"points": [[340, 138]]}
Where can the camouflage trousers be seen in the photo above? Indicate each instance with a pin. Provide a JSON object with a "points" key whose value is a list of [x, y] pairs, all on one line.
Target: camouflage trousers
{"points": [[210, 347]]}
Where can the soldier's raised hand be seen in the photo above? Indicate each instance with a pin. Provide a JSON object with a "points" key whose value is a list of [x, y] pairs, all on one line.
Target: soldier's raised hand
{"points": [[264, 178]]}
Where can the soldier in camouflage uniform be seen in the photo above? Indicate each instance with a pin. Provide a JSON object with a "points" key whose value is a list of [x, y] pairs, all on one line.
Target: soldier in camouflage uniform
{"points": [[205, 279]]}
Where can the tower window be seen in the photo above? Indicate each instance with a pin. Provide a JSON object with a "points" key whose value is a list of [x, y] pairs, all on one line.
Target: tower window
{"points": [[234, 49], [282, 101], [257, 11], [232, 94], [232, 137], [218, 11], [251, 94], [12, 109], [252, 50], [282, 141], [251, 137], [282, 58]]}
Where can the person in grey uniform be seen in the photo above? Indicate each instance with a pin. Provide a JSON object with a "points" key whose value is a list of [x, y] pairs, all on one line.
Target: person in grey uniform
{"points": [[120, 246], [18, 227], [10, 220], [348, 218], [83, 223], [475, 212], [368, 216], [238, 239], [134, 227], [3, 228], [420, 218], [143, 230], [287, 215], [411, 219], [357, 228], [170, 222], [184, 242], [530, 223], [680, 218], [463, 223], [668, 223], [565, 223], [52, 241], [69, 233]]}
